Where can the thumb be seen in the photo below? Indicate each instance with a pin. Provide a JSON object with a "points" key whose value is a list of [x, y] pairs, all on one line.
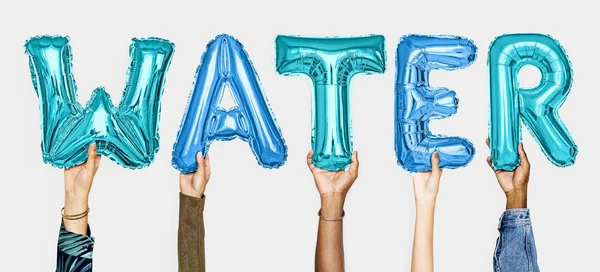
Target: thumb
{"points": [[354, 164], [436, 172], [91, 163], [200, 164], [523, 156]]}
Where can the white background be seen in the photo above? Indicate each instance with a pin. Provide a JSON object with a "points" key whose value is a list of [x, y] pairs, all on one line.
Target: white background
{"points": [[266, 220]]}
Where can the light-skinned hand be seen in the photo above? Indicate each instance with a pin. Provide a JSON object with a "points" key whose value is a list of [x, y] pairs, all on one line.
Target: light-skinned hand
{"points": [[427, 184], [194, 184]]}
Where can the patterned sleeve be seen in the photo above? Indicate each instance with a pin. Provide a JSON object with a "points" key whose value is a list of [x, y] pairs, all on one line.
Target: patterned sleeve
{"points": [[74, 251]]}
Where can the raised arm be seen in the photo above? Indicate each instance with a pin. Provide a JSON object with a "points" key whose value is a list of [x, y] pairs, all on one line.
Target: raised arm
{"points": [[426, 186], [190, 240], [75, 243], [333, 188], [515, 246]]}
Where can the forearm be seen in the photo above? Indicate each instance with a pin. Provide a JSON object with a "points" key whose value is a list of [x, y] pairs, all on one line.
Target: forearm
{"points": [[190, 242], [329, 254], [515, 247], [76, 205], [74, 251], [422, 254], [516, 199]]}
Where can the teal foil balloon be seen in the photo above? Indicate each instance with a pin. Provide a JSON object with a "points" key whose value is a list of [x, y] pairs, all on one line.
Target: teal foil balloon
{"points": [[537, 107], [127, 134], [225, 65], [417, 102], [331, 63]]}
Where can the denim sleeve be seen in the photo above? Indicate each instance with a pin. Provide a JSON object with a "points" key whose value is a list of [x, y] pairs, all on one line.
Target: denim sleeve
{"points": [[515, 247], [74, 251]]}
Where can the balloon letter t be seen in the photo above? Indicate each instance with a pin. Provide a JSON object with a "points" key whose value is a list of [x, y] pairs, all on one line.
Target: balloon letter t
{"points": [[331, 63]]}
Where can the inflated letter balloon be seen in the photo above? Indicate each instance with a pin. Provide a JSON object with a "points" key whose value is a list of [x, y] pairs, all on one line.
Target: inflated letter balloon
{"points": [[127, 134], [331, 63], [225, 64], [537, 107], [417, 102]]}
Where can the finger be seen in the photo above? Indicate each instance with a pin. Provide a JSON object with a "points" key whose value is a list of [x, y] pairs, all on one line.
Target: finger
{"points": [[435, 165], [489, 162], [354, 164], [207, 165], [92, 157], [97, 163], [200, 162], [487, 142], [523, 156], [309, 160]]}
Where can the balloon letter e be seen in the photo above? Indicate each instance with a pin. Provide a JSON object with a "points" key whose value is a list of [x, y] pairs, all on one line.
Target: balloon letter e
{"points": [[537, 107], [417, 102], [225, 65], [331, 63]]}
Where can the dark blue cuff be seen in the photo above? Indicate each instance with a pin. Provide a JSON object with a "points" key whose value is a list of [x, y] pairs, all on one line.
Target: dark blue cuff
{"points": [[515, 218], [74, 244]]}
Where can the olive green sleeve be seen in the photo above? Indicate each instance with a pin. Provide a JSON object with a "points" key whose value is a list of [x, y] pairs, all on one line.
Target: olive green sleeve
{"points": [[190, 236]]}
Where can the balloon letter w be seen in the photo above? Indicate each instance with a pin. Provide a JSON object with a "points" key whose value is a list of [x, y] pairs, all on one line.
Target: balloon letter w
{"points": [[128, 134]]}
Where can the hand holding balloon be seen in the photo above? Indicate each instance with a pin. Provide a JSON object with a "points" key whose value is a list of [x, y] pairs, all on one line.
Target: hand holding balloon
{"points": [[333, 186], [514, 183], [426, 184], [194, 184], [78, 183]]}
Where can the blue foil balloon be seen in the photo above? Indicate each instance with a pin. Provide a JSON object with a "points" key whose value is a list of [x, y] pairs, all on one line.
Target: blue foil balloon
{"points": [[537, 107], [127, 134], [417, 102], [225, 64], [331, 63]]}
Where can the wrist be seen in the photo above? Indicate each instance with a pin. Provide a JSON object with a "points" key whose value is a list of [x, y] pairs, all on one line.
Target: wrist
{"points": [[516, 199], [425, 206], [332, 205], [193, 193], [75, 205]]}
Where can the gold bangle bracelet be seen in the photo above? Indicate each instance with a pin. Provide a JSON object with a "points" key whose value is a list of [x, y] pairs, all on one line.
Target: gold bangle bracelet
{"points": [[332, 219], [74, 216]]}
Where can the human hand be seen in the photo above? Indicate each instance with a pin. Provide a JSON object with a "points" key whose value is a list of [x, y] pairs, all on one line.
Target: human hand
{"points": [[78, 182], [333, 186], [194, 184], [513, 183], [426, 184]]}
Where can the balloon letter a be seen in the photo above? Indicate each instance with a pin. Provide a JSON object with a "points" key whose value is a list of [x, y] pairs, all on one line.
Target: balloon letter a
{"points": [[224, 65]]}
